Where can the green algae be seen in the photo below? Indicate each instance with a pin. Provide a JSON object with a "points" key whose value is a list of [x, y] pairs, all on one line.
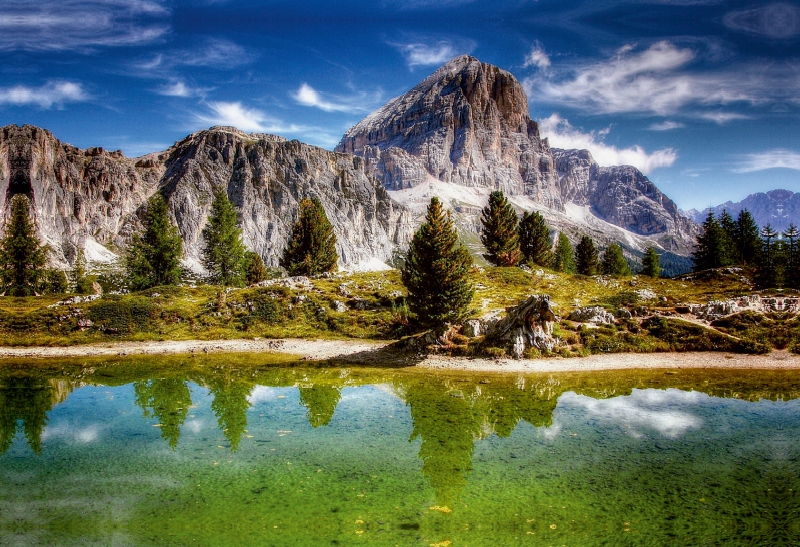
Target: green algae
{"points": [[247, 450]]}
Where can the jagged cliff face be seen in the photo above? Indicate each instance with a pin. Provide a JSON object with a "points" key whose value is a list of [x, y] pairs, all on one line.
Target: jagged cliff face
{"points": [[265, 178], [624, 197], [778, 208], [466, 124], [81, 199], [91, 199]]}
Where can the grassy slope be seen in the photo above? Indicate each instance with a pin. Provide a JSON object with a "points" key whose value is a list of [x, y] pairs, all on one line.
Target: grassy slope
{"points": [[271, 312]]}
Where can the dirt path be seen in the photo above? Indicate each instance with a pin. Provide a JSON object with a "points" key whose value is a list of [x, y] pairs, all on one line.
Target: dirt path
{"points": [[377, 353]]}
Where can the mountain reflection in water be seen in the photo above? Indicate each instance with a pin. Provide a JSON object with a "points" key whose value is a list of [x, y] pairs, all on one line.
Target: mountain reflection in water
{"points": [[653, 453]]}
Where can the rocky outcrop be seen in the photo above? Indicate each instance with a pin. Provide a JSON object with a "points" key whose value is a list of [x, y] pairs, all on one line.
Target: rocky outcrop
{"points": [[624, 197], [528, 325], [90, 199], [468, 124], [592, 314], [778, 208]]}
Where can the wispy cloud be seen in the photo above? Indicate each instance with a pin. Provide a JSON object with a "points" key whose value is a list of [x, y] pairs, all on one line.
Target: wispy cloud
{"points": [[722, 117], [212, 53], [561, 134], [82, 25], [358, 103], [53, 93], [179, 88], [771, 159], [778, 20], [421, 53], [657, 80], [537, 57], [666, 125]]}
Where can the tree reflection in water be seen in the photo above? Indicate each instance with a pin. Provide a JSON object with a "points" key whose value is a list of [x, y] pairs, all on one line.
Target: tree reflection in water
{"points": [[320, 400], [28, 399], [168, 400]]}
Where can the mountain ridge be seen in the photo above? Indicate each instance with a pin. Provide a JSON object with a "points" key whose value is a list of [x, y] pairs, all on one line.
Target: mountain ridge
{"points": [[777, 207]]}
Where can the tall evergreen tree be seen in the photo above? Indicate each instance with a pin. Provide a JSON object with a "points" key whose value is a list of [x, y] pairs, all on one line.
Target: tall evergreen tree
{"points": [[564, 256], [730, 228], [255, 272], [650, 263], [436, 271], [586, 256], [748, 241], [614, 262], [711, 250], [534, 240], [224, 253], [792, 275], [768, 273], [154, 257], [22, 257], [500, 233], [312, 247]]}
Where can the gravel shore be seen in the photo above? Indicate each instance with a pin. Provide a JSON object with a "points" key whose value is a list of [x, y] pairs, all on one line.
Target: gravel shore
{"points": [[378, 353]]}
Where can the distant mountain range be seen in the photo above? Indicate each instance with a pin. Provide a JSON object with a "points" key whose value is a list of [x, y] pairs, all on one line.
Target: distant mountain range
{"points": [[777, 208]]}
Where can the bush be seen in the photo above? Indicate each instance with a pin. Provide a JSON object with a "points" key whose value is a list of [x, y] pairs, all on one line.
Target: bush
{"points": [[123, 315]]}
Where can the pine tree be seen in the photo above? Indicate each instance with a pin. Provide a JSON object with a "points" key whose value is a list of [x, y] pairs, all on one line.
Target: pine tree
{"points": [[436, 271], [792, 276], [154, 257], [564, 256], [22, 257], [586, 256], [255, 272], [223, 255], [614, 262], [748, 241], [312, 247], [768, 271], [711, 250], [730, 229], [500, 233], [534, 240], [650, 263]]}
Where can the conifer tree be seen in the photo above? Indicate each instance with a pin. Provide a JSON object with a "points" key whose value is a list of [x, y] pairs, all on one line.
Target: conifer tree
{"points": [[711, 250], [22, 257], [768, 273], [534, 240], [586, 256], [650, 263], [436, 271], [255, 272], [614, 262], [154, 257], [564, 256], [748, 241], [500, 233], [792, 276], [79, 274], [223, 255], [312, 247], [730, 229]]}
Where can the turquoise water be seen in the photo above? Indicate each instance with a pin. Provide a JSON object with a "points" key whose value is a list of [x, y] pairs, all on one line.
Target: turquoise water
{"points": [[179, 453]]}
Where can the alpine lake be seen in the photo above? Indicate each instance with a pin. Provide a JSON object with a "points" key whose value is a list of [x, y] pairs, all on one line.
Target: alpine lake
{"points": [[263, 450]]}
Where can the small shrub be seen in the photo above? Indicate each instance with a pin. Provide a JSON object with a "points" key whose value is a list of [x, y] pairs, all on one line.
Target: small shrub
{"points": [[123, 315]]}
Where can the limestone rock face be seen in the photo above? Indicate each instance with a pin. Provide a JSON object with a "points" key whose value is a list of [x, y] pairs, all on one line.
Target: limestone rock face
{"points": [[81, 199], [91, 199], [265, 178], [468, 124], [624, 197]]}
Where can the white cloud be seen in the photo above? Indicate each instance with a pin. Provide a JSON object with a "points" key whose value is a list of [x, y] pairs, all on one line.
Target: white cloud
{"points": [[308, 96], [666, 125], [771, 159], [213, 53], [47, 25], [722, 117], [661, 411], [537, 58], [52, 93], [179, 88], [778, 20], [561, 134], [425, 55], [657, 80]]}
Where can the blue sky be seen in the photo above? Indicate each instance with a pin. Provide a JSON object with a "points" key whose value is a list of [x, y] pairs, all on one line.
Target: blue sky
{"points": [[702, 95]]}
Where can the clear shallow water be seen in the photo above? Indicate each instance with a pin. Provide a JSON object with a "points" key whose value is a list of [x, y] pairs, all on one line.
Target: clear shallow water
{"points": [[191, 452]]}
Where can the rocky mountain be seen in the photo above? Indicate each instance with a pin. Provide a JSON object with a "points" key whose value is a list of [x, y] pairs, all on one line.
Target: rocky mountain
{"points": [[468, 124], [91, 199], [778, 208]]}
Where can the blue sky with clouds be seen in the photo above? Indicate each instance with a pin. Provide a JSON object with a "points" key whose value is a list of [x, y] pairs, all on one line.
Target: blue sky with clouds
{"points": [[702, 95]]}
